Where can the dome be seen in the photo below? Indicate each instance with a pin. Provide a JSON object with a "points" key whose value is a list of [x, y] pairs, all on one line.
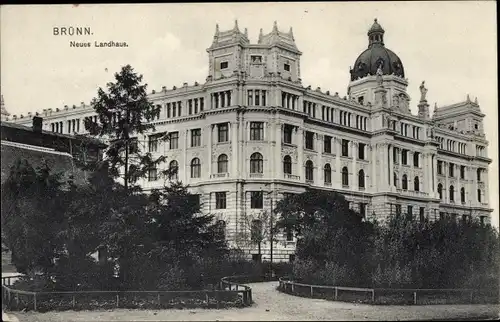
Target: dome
{"points": [[377, 55]]}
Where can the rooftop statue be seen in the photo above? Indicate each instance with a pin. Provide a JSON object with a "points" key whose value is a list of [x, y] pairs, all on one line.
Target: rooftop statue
{"points": [[379, 74], [423, 91]]}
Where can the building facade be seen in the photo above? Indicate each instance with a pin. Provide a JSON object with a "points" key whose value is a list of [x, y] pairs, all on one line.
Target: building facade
{"points": [[252, 133]]}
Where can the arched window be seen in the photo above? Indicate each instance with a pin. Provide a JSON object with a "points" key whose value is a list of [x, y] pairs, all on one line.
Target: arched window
{"points": [[173, 168], [361, 178], [452, 193], [309, 170], [345, 176], [195, 168], [462, 195], [404, 182], [222, 163], [287, 164], [440, 191], [328, 173], [395, 179], [256, 163], [416, 184]]}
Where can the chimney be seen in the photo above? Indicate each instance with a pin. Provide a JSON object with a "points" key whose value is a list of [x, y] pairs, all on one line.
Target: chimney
{"points": [[37, 124]]}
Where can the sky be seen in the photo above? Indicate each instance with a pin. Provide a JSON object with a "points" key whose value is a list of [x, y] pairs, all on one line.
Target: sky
{"points": [[451, 45]]}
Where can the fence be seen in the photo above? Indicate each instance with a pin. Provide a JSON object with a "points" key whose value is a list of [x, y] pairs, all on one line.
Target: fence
{"points": [[389, 295], [230, 294]]}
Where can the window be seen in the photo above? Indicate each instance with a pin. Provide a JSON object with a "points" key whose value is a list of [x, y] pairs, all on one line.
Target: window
{"points": [[256, 200], [345, 177], [309, 170], [398, 210], [220, 200], [309, 140], [409, 214], [257, 257], [328, 173], [287, 134], [256, 59], [440, 191], [415, 159], [479, 175], [286, 67], [362, 209], [291, 257], [289, 234], [222, 163], [452, 194], [451, 168], [174, 140], [476, 126], [462, 172], [345, 148], [256, 163], [422, 214], [195, 168], [153, 143], [481, 218], [361, 100], [395, 153], [221, 229], [361, 179], [361, 151], [195, 137], [479, 195], [287, 164], [462, 195], [404, 182], [256, 230], [173, 168], [327, 144], [440, 167], [223, 130], [416, 184], [395, 177], [404, 157], [256, 131], [152, 175], [224, 65]]}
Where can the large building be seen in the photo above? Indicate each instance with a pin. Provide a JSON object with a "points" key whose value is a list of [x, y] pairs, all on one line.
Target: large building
{"points": [[252, 133]]}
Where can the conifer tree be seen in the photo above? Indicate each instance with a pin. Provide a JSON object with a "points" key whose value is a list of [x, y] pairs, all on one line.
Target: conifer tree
{"points": [[124, 116]]}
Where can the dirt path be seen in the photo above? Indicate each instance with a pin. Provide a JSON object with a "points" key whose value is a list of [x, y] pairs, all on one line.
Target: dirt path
{"points": [[272, 305]]}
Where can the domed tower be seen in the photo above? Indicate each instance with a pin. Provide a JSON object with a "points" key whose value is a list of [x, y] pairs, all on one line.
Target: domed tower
{"points": [[378, 59]]}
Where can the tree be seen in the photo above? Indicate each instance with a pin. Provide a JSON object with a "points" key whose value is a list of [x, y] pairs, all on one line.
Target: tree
{"points": [[255, 230], [123, 113], [33, 203], [178, 222], [329, 233]]}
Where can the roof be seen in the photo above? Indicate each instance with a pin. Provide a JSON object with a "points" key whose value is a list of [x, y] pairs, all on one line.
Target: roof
{"points": [[57, 161], [377, 55], [82, 138]]}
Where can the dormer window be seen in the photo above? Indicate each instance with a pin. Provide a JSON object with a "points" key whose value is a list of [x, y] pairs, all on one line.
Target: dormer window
{"points": [[224, 65], [286, 67]]}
